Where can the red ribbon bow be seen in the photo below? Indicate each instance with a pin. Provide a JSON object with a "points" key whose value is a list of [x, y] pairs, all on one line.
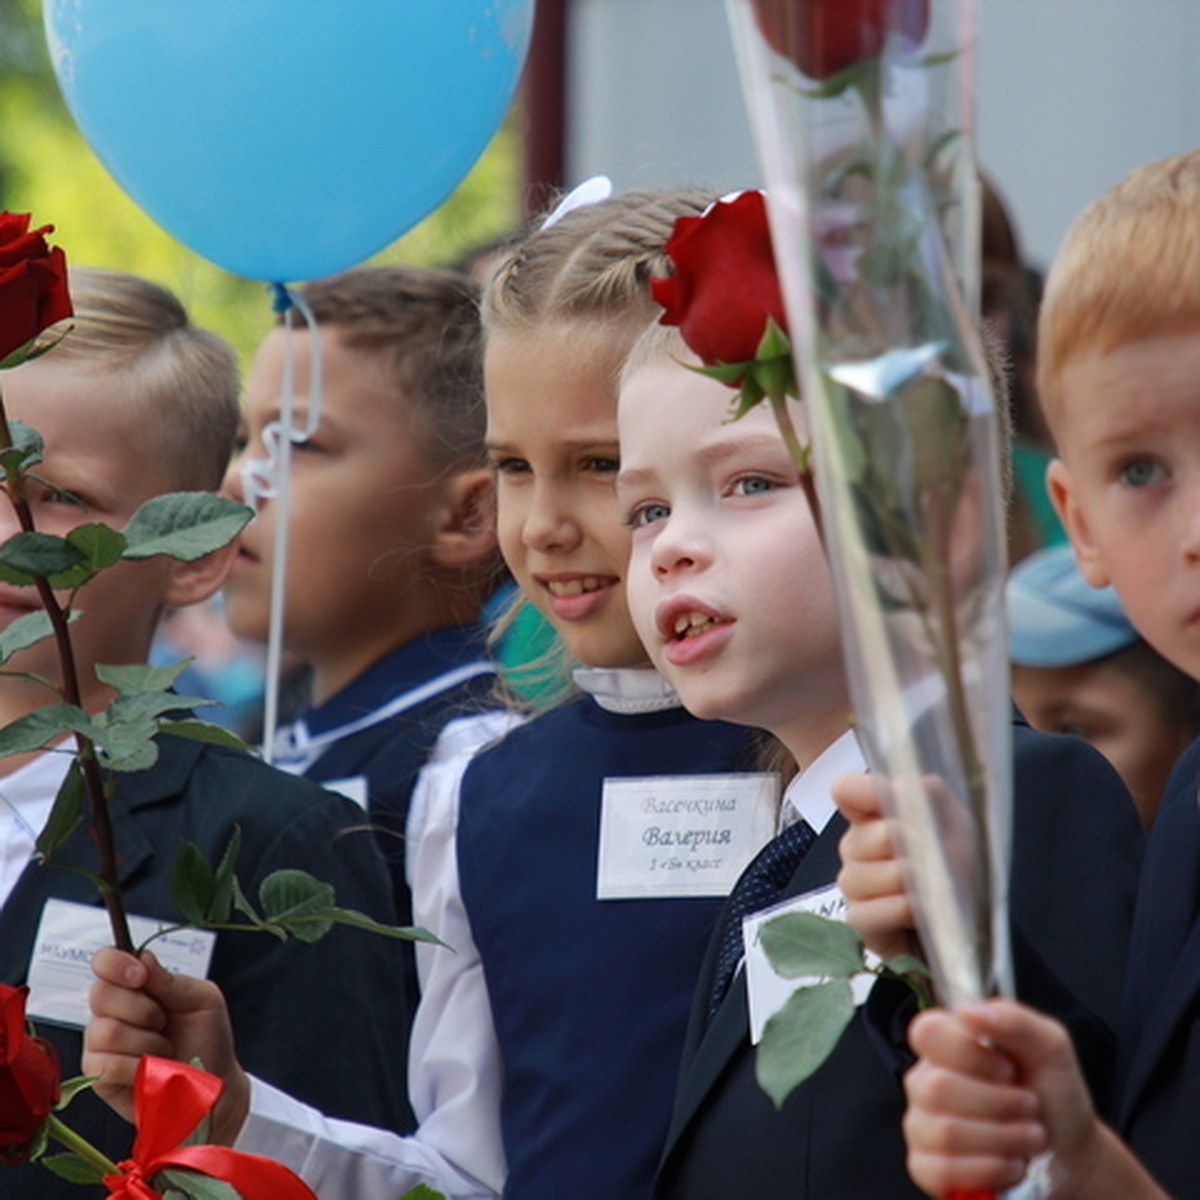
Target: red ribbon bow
{"points": [[169, 1100]]}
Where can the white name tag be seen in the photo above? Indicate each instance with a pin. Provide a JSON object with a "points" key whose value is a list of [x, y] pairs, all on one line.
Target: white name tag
{"points": [[682, 835], [60, 974], [353, 787], [767, 992]]}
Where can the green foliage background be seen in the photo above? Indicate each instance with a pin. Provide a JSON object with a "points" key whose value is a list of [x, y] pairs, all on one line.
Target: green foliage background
{"points": [[47, 168]]}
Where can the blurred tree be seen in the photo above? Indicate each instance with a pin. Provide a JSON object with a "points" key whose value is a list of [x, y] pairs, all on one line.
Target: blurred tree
{"points": [[48, 169]]}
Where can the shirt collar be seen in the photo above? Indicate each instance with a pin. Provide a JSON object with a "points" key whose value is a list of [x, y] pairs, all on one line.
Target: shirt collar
{"points": [[808, 793], [627, 690], [404, 668]]}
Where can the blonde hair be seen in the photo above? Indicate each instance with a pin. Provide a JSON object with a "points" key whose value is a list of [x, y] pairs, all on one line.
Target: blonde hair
{"points": [[590, 268], [184, 380], [1129, 268]]}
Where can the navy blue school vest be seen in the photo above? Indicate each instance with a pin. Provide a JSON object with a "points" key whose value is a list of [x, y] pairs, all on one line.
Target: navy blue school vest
{"points": [[590, 998]]}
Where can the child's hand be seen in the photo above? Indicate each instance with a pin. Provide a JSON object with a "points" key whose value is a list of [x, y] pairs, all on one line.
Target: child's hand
{"points": [[870, 879], [140, 1008], [996, 1085]]}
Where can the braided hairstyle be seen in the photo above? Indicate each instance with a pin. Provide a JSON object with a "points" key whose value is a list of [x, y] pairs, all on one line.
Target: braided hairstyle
{"points": [[591, 268]]}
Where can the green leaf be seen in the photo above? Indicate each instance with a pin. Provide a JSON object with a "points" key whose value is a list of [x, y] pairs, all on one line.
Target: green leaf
{"points": [[66, 814], [72, 1168], [26, 449], [27, 631], [136, 708], [193, 884], [128, 744], [801, 1036], [243, 905], [802, 944], [100, 546], [422, 1192], [38, 729], [191, 1185], [221, 903], [71, 1088], [298, 903], [131, 678], [908, 964], [404, 933], [203, 731], [726, 373], [24, 556], [184, 525]]}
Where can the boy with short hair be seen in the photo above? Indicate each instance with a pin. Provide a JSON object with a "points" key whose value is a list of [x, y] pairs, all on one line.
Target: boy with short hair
{"points": [[1120, 361], [391, 535], [134, 402]]}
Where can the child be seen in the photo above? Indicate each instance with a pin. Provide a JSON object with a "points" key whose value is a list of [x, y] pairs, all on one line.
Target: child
{"points": [[731, 593], [546, 1046], [1079, 667], [392, 542], [1120, 346], [134, 402]]}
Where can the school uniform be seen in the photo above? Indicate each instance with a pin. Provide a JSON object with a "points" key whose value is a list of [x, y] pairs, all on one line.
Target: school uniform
{"points": [[371, 739], [1159, 1091], [291, 1005], [1076, 850], [588, 998]]}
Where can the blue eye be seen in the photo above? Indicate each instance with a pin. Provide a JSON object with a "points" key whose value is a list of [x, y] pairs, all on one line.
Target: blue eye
{"points": [[1141, 472], [648, 514], [752, 485]]}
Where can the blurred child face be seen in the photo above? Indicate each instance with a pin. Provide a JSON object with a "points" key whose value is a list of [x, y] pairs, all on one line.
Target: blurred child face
{"points": [[552, 442], [363, 502], [1114, 711], [728, 583], [1127, 484], [99, 465]]}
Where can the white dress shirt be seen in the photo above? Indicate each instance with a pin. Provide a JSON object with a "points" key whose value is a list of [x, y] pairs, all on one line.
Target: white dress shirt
{"points": [[454, 1059]]}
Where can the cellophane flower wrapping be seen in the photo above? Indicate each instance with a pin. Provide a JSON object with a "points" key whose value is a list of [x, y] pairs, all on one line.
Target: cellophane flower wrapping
{"points": [[862, 113]]}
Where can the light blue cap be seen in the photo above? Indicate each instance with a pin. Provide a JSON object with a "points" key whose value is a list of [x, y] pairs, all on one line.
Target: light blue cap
{"points": [[1056, 618]]}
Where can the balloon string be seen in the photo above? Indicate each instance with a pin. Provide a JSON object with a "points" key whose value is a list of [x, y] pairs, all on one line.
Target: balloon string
{"points": [[269, 477]]}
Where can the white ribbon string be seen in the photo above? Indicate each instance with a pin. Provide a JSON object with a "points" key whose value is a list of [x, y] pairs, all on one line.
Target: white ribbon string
{"points": [[267, 478]]}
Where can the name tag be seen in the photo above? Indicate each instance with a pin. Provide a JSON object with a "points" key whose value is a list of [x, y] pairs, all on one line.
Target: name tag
{"points": [[60, 974], [353, 787], [766, 991], [682, 835]]}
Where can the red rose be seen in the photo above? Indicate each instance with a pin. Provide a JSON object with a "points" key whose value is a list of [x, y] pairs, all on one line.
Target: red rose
{"points": [[725, 285], [823, 37], [33, 283], [29, 1084]]}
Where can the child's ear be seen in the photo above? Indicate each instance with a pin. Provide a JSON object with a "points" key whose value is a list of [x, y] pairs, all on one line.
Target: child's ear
{"points": [[191, 582], [1062, 496], [465, 531]]}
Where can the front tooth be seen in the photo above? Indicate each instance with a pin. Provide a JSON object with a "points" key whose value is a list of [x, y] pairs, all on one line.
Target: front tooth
{"points": [[591, 583], [699, 619], [682, 622]]}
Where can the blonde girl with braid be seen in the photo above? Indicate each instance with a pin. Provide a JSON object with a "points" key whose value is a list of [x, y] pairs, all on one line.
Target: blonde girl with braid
{"points": [[565, 865]]}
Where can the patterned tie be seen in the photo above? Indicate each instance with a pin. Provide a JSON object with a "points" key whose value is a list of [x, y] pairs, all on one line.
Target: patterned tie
{"points": [[760, 884]]}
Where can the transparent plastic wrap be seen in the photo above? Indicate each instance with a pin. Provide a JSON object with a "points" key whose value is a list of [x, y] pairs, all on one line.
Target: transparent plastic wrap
{"points": [[862, 116]]}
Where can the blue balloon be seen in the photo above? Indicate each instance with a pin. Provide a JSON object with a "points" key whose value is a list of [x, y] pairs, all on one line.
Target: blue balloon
{"points": [[287, 139]]}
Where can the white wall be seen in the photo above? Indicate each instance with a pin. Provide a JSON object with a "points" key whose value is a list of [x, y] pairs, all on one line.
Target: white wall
{"points": [[1072, 94]]}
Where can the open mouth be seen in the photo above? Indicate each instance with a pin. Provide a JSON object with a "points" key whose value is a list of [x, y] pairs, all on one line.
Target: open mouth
{"points": [[693, 624]]}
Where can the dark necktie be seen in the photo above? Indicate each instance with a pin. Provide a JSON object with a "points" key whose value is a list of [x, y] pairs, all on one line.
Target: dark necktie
{"points": [[757, 888]]}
